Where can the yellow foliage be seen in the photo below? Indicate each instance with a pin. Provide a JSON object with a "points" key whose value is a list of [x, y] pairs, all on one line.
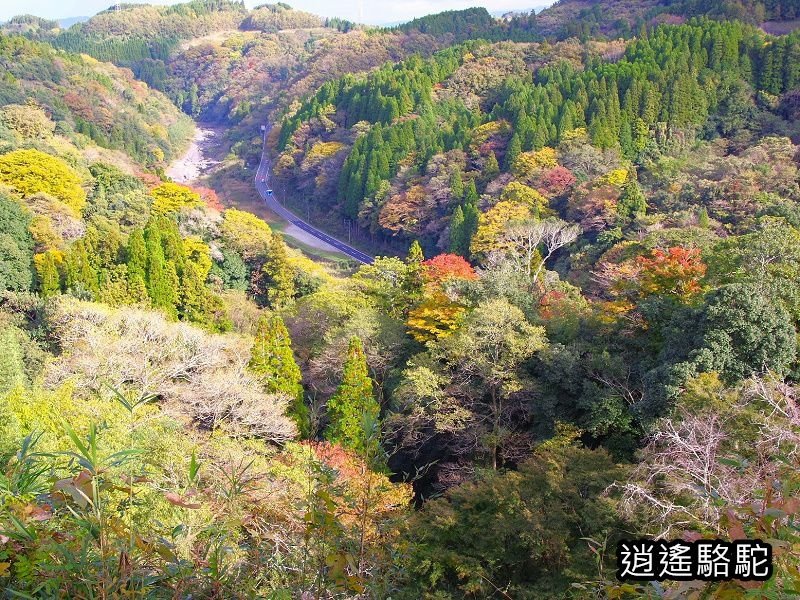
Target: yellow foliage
{"points": [[44, 233], [579, 133], [617, 177], [483, 132], [27, 121], [492, 222], [528, 163], [29, 172], [172, 197], [199, 253], [322, 150], [434, 318], [523, 194], [245, 233], [38, 259], [285, 162]]}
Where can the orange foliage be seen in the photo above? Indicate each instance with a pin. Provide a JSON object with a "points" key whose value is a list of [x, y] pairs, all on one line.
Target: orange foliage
{"points": [[551, 303], [209, 198], [675, 272], [361, 488], [448, 266]]}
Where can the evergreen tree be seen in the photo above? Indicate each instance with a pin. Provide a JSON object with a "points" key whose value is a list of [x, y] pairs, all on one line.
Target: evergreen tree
{"points": [[272, 360], [471, 194], [137, 255], [12, 367], [456, 185], [513, 151], [193, 295], [702, 218], [162, 278], [79, 275], [632, 202], [471, 216], [415, 254], [412, 283], [491, 169], [457, 245], [353, 410], [49, 274], [16, 247], [279, 274], [137, 291]]}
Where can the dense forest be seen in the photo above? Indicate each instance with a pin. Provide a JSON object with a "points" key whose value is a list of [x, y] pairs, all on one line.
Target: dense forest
{"points": [[581, 326]]}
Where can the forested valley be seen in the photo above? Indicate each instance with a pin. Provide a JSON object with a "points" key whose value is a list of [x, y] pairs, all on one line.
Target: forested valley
{"points": [[580, 326]]}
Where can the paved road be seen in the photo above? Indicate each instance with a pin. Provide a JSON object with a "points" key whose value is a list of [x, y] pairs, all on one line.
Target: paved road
{"points": [[262, 182]]}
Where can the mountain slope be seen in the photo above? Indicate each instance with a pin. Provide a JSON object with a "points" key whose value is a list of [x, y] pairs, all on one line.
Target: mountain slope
{"points": [[94, 99]]}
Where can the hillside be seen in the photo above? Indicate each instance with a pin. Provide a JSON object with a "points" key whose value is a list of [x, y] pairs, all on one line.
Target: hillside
{"points": [[614, 18], [580, 328], [98, 101], [400, 149]]}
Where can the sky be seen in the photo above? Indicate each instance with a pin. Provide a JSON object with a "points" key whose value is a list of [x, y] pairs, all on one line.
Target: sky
{"points": [[374, 12]]}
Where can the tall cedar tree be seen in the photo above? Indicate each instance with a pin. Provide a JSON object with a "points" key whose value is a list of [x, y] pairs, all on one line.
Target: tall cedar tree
{"points": [[457, 245], [162, 278], [352, 410], [280, 275], [137, 255], [413, 281], [272, 360], [632, 202], [49, 275], [12, 367]]}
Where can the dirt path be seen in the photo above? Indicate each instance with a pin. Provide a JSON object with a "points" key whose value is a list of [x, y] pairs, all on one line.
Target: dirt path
{"points": [[196, 162]]}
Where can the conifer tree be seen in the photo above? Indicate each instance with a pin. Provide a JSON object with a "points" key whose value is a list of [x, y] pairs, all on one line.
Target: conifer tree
{"points": [[193, 294], [513, 151], [79, 275], [352, 410], [471, 216], [137, 255], [137, 291], [162, 278], [48, 273], [490, 169], [632, 202], [12, 368], [415, 254], [456, 185], [272, 360], [457, 245], [471, 194], [279, 273]]}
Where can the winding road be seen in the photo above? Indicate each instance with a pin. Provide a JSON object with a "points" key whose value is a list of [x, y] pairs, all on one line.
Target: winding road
{"points": [[262, 186]]}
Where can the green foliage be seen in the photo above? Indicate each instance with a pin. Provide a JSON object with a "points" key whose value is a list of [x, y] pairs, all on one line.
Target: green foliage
{"points": [[279, 275], [632, 202], [516, 530], [16, 247], [119, 197], [86, 98], [745, 332], [12, 369], [272, 361], [353, 410], [231, 270]]}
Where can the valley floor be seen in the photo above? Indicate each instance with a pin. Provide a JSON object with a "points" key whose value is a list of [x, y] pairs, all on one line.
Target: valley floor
{"points": [[197, 160], [207, 151]]}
